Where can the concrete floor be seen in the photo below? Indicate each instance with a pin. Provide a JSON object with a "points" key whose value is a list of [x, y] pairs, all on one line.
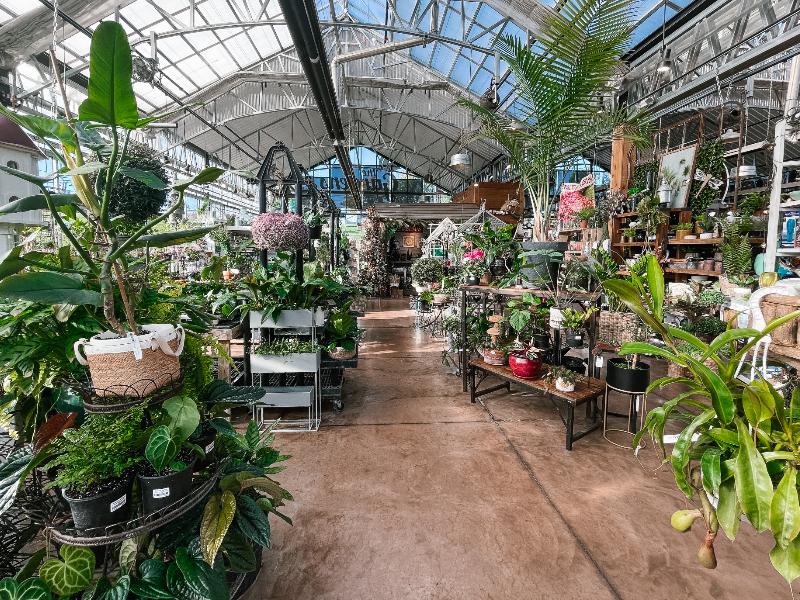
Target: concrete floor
{"points": [[412, 492]]}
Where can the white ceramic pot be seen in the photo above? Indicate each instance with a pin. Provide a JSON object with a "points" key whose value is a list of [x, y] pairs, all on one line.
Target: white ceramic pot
{"points": [[563, 385], [707, 235], [556, 317]]}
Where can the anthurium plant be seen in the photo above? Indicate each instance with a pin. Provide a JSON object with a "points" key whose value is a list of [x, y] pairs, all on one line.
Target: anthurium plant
{"points": [[738, 449], [92, 271]]}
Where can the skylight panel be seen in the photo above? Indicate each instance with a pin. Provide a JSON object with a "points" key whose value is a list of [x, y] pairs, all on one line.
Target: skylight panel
{"points": [[174, 47], [141, 14]]}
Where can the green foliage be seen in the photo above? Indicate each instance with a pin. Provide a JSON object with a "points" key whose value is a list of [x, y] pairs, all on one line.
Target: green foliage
{"points": [[711, 160], [563, 373], [574, 319], [285, 345], [426, 297], [341, 330], [586, 213], [196, 365], [640, 173], [528, 313], [740, 441], [737, 257], [313, 219], [33, 588], [427, 270], [561, 85], [496, 243], [130, 198], [708, 326], [103, 448], [218, 516], [650, 214], [711, 298], [71, 574]]}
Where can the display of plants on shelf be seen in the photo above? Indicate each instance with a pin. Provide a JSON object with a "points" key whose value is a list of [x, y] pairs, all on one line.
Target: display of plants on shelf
{"points": [[682, 230], [651, 217], [733, 454], [573, 321]]}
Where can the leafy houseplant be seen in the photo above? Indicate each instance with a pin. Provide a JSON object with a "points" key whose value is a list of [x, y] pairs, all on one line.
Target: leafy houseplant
{"points": [[573, 321], [584, 215], [711, 161], [94, 269], [133, 199], [167, 477], [425, 300], [707, 327], [682, 230], [563, 378], [651, 217], [738, 442], [427, 270], [94, 467], [341, 334], [498, 246], [562, 84], [737, 257]]}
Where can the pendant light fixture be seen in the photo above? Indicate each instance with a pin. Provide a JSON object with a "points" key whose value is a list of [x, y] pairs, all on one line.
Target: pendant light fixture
{"points": [[730, 135]]}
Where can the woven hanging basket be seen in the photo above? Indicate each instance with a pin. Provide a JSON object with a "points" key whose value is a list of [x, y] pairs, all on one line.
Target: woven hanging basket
{"points": [[132, 366]]}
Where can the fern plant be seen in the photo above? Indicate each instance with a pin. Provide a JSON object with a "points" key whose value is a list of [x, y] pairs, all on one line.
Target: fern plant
{"points": [[737, 258]]}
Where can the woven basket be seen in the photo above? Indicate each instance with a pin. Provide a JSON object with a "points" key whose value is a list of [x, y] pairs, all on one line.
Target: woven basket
{"points": [[340, 353], [774, 306], [616, 328], [134, 366], [676, 370]]}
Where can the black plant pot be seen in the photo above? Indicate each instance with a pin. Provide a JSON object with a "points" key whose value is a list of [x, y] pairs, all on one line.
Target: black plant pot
{"points": [[620, 377], [104, 509], [574, 338], [161, 491], [424, 306], [472, 280], [315, 232], [498, 268], [541, 270], [541, 340], [206, 442]]}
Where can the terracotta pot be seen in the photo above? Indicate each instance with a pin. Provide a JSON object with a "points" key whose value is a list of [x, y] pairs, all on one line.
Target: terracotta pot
{"points": [[584, 224], [485, 279], [523, 366], [227, 275]]}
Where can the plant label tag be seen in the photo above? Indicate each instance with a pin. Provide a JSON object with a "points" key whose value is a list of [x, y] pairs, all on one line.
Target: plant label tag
{"points": [[579, 338], [209, 448], [161, 493], [598, 362], [118, 503]]}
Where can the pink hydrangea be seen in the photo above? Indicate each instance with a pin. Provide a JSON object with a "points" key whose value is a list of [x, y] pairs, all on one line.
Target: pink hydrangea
{"points": [[476, 254], [279, 231]]}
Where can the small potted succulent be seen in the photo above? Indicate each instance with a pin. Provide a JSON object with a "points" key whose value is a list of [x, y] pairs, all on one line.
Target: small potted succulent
{"points": [[525, 363], [563, 378], [94, 467], [573, 322], [584, 215], [313, 221], [279, 231], [166, 476]]}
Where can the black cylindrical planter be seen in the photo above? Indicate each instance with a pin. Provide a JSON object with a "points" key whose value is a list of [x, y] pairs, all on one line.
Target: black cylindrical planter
{"points": [[315, 232], [541, 340], [163, 490], [472, 280], [574, 338], [206, 442], [498, 268], [541, 270], [104, 509], [620, 377]]}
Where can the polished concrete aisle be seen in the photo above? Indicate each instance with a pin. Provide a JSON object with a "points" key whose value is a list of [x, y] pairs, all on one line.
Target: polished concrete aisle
{"points": [[412, 492]]}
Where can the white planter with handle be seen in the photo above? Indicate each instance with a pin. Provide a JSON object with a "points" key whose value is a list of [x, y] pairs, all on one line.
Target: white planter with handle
{"points": [[134, 365]]}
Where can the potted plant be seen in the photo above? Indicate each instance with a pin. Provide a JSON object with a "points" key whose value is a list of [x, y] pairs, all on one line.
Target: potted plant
{"points": [[704, 226], [707, 327], [630, 233], [741, 425], [473, 266], [563, 378], [87, 272], [426, 271], [498, 245], [341, 334], [425, 301], [628, 374], [313, 221], [285, 355], [573, 322], [584, 215], [651, 217], [493, 353], [682, 229], [166, 476], [575, 61], [525, 364], [94, 467]]}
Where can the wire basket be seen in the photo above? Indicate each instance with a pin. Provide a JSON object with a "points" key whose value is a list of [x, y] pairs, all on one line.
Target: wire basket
{"points": [[125, 396]]}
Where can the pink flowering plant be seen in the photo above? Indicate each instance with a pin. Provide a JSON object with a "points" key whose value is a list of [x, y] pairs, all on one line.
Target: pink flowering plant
{"points": [[571, 203], [279, 231], [476, 254]]}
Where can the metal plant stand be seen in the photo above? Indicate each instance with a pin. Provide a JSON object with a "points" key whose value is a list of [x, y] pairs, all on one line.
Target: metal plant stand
{"points": [[637, 409]]}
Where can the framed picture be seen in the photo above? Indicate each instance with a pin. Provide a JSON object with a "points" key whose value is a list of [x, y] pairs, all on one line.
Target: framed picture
{"points": [[409, 240], [676, 169]]}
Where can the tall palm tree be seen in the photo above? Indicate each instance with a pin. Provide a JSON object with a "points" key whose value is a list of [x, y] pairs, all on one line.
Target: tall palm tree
{"points": [[561, 85]]}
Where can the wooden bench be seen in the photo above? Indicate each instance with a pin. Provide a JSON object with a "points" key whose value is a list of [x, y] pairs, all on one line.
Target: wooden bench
{"points": [[587, 391]]}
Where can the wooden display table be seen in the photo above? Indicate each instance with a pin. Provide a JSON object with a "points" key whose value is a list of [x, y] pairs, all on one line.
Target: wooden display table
{"points": [[587, 391]]}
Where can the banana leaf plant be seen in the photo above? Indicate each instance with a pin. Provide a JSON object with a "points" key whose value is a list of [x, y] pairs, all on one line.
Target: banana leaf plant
{"points": [[100, 272], [738, 449]]}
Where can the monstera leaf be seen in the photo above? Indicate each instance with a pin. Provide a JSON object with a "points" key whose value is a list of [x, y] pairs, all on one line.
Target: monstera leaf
{"points": [[217, 518], [71, 574], [30, 589]]}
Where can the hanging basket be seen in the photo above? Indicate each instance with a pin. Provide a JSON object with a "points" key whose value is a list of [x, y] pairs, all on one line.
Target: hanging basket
{"points": [[616, 328], [135, 365]]}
